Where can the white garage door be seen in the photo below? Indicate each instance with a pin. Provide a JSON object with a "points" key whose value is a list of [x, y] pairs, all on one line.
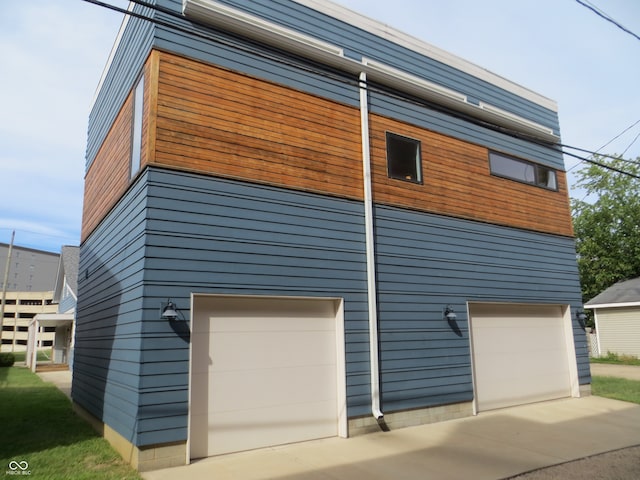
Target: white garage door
{"points": [[521, 354], [264, 371]]}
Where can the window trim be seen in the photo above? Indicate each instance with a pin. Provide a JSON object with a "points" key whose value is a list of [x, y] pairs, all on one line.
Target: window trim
{"points": [[418, 160], [537, 169], [136, 128]]}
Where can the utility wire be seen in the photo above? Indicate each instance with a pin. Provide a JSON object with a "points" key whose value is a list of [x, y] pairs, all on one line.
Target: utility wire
{"points": [[633, 162], [609, 142], [335, 74], [632, 142], [603, 165], [607, 17]]}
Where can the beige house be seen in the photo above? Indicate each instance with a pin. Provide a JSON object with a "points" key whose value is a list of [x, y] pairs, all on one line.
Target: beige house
{"points": [[617, 318]]}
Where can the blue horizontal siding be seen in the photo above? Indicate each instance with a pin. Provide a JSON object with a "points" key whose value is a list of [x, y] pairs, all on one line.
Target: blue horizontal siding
{"points": [[175, 233], [67, 304], [426, 262], [108, 328], [208, 235]]}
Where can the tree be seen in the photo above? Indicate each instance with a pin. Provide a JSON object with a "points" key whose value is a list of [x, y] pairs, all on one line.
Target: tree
{"points": [[607, 230]]}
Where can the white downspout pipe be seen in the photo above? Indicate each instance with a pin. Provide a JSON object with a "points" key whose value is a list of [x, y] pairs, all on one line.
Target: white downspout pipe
{"points": [[370, 251]]}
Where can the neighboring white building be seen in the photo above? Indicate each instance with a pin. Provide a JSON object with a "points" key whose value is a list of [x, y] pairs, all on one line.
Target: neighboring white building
{"points": [[617, 318]]}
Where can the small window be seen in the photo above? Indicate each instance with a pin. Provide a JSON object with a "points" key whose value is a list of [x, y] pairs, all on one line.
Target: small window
{"points": [[403, 158], [136, 133], [522, 171]]}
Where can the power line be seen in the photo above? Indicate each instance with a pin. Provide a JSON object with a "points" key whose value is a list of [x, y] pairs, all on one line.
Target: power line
{"points": [[608, 143], [632, 142], [607, 17], [592, 153], [603, 165]]}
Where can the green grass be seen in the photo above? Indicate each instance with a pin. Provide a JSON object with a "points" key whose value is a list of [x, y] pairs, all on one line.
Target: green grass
{"points": [[616, 388], [38, 426], [616, 359]]}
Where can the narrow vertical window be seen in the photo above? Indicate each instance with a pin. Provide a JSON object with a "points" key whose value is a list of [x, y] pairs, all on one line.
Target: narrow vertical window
{"points": [[136, 140], [403, 158]]}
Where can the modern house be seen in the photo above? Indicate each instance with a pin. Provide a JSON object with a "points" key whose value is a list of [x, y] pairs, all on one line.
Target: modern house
{"points": [[617, 318], [300, 223]]}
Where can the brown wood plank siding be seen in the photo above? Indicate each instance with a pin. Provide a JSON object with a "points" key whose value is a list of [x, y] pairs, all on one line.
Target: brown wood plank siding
{"points": [[457, 182], [205, 119], [108, 176], [222, 123]]}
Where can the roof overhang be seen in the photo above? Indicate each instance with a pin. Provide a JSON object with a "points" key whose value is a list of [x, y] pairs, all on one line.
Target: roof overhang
{"points": [[612, 305], [53, 319]]}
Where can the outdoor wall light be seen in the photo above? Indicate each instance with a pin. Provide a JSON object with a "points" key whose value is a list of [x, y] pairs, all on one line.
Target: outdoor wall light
{"points": [[581, 316], [169, 310], [449, 314]]}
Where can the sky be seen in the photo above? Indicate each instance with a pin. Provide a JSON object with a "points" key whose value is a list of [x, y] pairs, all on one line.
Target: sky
{"points": [[53, 52]]}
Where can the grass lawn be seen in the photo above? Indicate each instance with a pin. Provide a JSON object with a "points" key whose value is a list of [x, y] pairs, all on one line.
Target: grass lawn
{"points": [[39, 427], [616, 359], [616, 388]]}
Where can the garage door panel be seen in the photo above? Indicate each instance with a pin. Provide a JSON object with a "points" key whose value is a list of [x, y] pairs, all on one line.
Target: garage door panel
{"points": [[519, 354], [264, 372], [277, 425], [270, 349], [264, 388]]}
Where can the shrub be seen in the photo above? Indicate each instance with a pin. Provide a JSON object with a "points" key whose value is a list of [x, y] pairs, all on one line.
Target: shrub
{"points": [[7, 359]]}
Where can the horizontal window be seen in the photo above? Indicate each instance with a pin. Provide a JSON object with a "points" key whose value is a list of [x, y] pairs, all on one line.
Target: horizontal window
{"points": [[522, 171]]}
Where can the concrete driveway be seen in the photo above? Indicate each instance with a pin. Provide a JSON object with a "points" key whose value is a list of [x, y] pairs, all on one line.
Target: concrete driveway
{"points": [[492, 445], [630, 372]]}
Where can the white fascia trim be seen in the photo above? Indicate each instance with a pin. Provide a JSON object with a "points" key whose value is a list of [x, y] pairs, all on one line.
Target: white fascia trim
{"points": [[533, 127], [417, 45], [406, 81], [229, 18], [613, 305], [422, 88]]}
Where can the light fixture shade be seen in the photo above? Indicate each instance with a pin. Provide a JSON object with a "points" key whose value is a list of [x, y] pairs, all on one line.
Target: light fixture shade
{"points": [[449, 314], [581, 316], [169, 311]]}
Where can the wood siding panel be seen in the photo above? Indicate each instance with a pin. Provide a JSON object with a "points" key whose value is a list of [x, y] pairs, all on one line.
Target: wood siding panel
{"points": [[457, 182], [217, 122], [108, 176]]}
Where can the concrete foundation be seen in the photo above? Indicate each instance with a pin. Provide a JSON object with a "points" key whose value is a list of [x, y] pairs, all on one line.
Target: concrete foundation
{"points": [[409, 418], [143, 459]]}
